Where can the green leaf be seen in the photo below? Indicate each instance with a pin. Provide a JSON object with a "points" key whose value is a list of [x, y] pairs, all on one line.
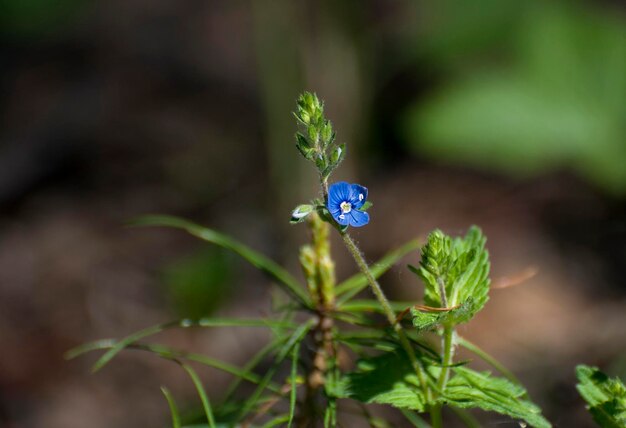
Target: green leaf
{"points": [[483, 355], [434, 265], [302, 144], [469, 389], [248, 369], [471, 270], [424, 321], [459, 268], [277, 421], [173, 408], [118, 346], [353, 285], [330, 415], [557, 104], [320, 162], [206, 405], [327, 134], [366, 206], [172, 354], [372, 305], [294, 340], [606, 397], [386, 379], [293, 378], [258, 260], [336, 157]]}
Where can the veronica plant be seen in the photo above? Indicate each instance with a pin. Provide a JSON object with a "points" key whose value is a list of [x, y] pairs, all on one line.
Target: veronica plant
{"points": [[330, 357]]}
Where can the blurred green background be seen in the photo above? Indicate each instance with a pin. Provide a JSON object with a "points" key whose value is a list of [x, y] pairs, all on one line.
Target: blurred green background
{"points": [[507, 114]]}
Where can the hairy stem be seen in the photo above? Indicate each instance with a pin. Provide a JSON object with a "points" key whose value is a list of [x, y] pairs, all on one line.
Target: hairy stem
{"points": [[446, 360], [447, 352], [324, 182], [442, 292], [391, 316]]}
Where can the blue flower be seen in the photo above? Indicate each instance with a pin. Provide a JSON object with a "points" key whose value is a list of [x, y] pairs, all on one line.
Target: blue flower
{"points": [[344, 201]]}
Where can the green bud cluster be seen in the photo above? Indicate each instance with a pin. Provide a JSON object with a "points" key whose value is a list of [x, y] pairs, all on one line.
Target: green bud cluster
{"points": [[316, 139], [436, 254]]}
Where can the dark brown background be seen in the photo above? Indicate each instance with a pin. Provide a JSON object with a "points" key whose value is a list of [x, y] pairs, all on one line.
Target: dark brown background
{"points": [[115, 109]]}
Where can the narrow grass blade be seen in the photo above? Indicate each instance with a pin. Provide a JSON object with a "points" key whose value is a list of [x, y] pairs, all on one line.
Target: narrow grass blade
{"points": [[294, 339], [172, 354], [88, 347], [173, 408], [206, 405], [185, 323], [243, 322], [330, 415], [293, 380], [119, 346], [483, 355], [258, 260], [250, 365], [353, 285], [414, 419], [277, 421], [370, 305]]}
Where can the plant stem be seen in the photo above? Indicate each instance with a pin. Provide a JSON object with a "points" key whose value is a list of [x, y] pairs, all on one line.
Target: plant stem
{"points": [[435, 416], [447, 353], [442, 292], [324, 182], [391, 316], [446, 360]]}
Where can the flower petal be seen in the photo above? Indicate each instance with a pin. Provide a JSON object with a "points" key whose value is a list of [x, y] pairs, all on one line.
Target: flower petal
{"points": [[358, 218], [337, 193], [358, 195], [341, 218]]}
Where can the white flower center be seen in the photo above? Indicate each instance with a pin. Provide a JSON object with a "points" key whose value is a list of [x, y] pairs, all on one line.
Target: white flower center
{"points": [[346, 207]]}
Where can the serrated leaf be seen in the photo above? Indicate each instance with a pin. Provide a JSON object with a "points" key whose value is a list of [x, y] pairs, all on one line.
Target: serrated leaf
{"points": [[457, 267], [606, 397], [386, 379], [423, 320], [471, 272], [469, 389]]}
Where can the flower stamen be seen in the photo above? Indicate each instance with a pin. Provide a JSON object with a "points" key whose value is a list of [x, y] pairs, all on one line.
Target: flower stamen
{"points": [[346, 207]]}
